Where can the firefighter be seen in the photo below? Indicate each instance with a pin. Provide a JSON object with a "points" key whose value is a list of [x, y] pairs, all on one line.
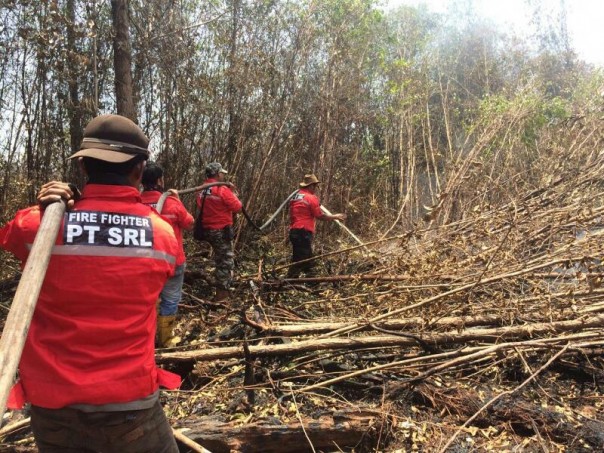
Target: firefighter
{"points": [[177, 215], [217, 205], [88, 364], [304, 208]]}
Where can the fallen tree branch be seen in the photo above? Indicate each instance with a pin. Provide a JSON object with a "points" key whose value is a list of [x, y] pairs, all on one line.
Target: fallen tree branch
{"points": [[459, 357], [484, 335], [359, 277], [329, 432], [313, 328], [457, 322], [353, 327], [14, 427], [507, 392]]}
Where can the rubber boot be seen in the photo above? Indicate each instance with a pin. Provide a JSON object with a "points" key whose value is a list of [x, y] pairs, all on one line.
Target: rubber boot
{"points": [[221, 295], [165, 331]]}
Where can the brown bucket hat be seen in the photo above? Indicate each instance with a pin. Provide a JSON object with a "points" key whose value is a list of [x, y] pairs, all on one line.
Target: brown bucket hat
{"points": [[309, 180], [113, 138]]}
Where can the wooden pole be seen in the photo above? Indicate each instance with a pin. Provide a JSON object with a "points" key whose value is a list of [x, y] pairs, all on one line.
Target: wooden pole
{"points": [[26, 297]]}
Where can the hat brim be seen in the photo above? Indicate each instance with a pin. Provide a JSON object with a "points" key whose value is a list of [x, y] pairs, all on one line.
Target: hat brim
{"points": [[309, 184], [223, 171], [115, 157]]}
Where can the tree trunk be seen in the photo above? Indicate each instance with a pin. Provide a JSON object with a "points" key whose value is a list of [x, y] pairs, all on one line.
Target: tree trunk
{"points": [[232, 90], [330, 432], [74, 108], [122, 60]]}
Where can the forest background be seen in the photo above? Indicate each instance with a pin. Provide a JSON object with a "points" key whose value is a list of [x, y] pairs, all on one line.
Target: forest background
{"points": [[467, 157], [398, 112]]}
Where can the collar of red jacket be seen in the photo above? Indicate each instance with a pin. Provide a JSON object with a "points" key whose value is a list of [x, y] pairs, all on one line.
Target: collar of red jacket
{"points": [[110, 191]]}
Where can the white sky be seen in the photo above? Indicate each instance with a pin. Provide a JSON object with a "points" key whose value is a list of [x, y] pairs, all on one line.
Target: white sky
{"points": [[585, 19]]}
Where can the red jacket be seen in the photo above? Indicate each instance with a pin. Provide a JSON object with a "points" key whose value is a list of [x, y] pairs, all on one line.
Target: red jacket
{"points": [[219, 206], [91, 339], [175, 213], [304, 208]]}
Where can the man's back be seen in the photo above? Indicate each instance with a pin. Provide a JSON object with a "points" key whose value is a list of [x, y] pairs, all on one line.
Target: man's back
{"points": [[304, 208], [219, 203], [90, 339], [175, 213]]}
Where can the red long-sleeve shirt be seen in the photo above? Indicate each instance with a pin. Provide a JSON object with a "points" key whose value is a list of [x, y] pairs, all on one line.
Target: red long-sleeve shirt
{"points": [[219, 205], [91, 338], [175, 213]]}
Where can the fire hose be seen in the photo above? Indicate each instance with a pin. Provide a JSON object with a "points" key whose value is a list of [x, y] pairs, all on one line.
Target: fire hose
{"points": [[165, 195]]}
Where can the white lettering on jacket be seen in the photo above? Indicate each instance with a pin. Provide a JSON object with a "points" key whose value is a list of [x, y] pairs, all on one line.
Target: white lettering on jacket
{"points": [[107, 229]]}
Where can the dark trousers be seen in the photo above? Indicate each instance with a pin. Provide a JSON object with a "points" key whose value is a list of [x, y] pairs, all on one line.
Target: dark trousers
{"points": [[301, 241], [69, 430]]}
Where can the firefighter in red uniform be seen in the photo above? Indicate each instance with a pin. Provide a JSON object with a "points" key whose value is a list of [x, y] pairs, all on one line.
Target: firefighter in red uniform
{"points": [[304, 208], [88, 365], [177, 215], [217, 205]]}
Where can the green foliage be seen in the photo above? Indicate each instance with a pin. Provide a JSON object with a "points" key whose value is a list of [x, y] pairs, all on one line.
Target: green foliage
{"points": [[281, 87], [538, 114]]}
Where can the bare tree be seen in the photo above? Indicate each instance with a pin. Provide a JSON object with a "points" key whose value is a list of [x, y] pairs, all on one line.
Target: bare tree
{"points": [[122, 60]]}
